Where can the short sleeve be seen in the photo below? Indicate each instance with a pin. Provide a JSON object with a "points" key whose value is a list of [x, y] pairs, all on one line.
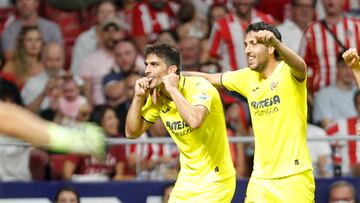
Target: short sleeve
{"points": [[236, 81], [203, 94]]}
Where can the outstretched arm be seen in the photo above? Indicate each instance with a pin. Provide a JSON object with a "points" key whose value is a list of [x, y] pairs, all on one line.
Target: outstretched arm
{"points": [[214, 79], [351, 58], [297, 64], [20, 123]]}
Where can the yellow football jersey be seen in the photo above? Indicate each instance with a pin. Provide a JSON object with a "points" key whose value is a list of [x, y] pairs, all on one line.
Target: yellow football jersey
{"points": [[204, 152], [278, 111]]}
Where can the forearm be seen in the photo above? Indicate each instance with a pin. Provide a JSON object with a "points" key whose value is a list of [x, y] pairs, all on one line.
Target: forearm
{"points": [[22, 124], [134, 121], [295, 62], [191, 114], [214, 79]]}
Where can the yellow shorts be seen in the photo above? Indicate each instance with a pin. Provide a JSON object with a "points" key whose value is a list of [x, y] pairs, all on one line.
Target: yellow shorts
{"points": [[298, 188], [213, 192]]}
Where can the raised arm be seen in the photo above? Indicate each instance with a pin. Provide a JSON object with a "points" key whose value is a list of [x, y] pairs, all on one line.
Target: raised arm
{"points": [[296, 63], [351, 58], [135, 125], [214, 79], [194, 116]]}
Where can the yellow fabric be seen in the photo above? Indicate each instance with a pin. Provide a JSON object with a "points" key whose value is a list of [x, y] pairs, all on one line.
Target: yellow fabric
{"points": [[215, 192], [204, 152], [279, 116], [297, 188]]}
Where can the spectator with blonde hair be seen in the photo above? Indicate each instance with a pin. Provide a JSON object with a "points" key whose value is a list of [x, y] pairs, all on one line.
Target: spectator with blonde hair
{"points": [[26, 59], [27, 11]]}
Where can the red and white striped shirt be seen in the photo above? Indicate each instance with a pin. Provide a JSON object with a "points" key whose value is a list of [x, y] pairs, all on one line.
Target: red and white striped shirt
{"points": [[320, 50], [350, 150], [226, 40], [148, 21], [349, 5], [153, 151]]}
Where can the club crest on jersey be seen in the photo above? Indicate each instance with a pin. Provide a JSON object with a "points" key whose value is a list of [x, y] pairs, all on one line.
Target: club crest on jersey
{"points": [[201, 97], [273, 85]]}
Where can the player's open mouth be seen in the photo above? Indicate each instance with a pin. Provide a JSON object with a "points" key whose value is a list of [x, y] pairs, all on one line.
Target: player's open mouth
{"points": [[251, 59]]}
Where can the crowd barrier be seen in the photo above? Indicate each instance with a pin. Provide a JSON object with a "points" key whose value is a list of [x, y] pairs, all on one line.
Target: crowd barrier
{"points": [[124, 192]]}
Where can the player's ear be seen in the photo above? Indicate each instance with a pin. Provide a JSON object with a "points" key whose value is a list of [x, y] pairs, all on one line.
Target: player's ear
{"points": [[172, 69], [271, 50]]}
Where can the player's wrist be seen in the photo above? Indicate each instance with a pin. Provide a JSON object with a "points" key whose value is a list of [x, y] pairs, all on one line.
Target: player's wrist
{"points": [[276, 43], [172, 90], [140, 96]]}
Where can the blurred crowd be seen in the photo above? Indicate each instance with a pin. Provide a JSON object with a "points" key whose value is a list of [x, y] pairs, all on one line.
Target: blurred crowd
{"points": [[72, 61]]}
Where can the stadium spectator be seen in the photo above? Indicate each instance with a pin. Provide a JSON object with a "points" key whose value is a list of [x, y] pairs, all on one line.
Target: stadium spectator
{"points": [[336, 101], [215, 12], [161, 161], [96, 65], [320, 152], [279, 9], [125, 13], [67, 195], [38, 87], [71, 103], [25, 61], [190, 50], [324, 40], [169, 37], [144, 159], [203, 6], [150, 18], [349, 150], [88, 41], [226, 42], [342, 191], [91, 168], [237, 126], [302, 14], [350, 7], [28, 16], [128, 65], [190, 23]]}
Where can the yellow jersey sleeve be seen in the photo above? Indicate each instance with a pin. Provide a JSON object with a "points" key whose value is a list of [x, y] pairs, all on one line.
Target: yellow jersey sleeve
{"points": [[150, 111], [237, 81], [202, 94]]}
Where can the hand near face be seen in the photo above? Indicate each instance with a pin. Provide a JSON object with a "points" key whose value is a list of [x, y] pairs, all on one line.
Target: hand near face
{"points": [[351, 58], [142, 87], [266, 37], [170, 81]]}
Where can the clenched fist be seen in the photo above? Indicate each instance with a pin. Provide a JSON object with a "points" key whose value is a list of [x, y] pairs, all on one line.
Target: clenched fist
{"points": [[170, 81], [266, 37], [351, 58]]}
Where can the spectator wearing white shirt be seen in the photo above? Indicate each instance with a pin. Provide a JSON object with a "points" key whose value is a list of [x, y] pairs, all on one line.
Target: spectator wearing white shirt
{"points": [[89, 41], [302, 14]]}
